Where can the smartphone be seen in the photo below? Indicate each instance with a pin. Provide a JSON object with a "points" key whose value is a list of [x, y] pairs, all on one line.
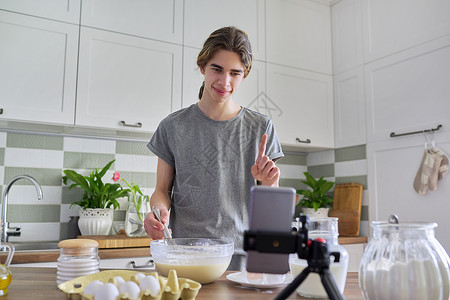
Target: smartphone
{"points": [[271, 209]]}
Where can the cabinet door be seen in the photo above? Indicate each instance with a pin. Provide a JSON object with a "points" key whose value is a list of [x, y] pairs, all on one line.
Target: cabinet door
{"points": [[298, 34], [349, 109], [66, 11], [394, 26], [355, 253], [300, 104], [154, 19], [409, 91], [201, 17], [392, 168], [38, 60], [125, 78], [346, 21], [192, 77]]}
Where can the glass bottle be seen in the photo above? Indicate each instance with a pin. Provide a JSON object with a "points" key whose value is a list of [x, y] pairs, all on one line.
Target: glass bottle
{"points": [[404, 261], [325, 228], [137, 208], [5, 272]]}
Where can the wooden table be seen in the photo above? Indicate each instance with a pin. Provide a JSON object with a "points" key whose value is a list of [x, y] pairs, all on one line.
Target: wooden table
{"points": [[40, 284]]}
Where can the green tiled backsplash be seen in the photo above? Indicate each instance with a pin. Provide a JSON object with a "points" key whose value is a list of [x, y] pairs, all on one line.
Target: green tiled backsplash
{"points": [[55, 153]]}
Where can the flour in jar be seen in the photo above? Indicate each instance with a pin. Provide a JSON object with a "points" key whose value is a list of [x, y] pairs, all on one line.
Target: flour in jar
{"points": [[417, 279]]}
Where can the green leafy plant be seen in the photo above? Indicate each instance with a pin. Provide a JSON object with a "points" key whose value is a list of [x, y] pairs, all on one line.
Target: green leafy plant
{"points": [[96, 193], [315, 197], [134, 188]]}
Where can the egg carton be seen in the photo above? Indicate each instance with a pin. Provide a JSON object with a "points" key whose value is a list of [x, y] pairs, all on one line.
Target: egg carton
{"points": [[171, 287]]}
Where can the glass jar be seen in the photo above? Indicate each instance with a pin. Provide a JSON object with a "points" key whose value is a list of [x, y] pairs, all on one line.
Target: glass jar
{"points": [[404, 261], [137, 208], [325, 228], [78, 257]]}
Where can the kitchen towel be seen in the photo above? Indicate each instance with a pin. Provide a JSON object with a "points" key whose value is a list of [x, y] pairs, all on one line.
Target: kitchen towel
{"points": [[427, 175], [443, 168], [433, 168]]}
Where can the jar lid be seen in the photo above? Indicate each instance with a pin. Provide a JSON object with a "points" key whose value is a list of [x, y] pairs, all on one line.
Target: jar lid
{"points": [[78, 246], [78, 243]]}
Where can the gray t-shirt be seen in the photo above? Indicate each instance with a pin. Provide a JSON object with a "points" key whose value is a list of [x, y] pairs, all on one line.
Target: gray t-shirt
{"points": [[212, 162]]}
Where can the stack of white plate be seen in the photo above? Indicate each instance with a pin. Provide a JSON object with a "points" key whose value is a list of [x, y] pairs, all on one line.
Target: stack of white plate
{"points": [[71, 269]]}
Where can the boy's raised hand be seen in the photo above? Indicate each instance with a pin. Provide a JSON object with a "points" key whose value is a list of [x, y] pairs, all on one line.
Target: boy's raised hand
{"points": [[264, 169]]}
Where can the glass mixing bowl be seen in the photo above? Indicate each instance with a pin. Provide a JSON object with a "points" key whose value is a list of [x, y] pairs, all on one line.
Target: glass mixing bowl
{"points": [[200, 259]]}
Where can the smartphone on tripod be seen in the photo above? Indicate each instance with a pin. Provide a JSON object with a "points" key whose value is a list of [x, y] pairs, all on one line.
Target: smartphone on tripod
{"points": [[271, 210]]}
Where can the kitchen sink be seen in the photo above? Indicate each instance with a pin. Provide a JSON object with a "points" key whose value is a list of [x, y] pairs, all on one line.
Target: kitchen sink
{"points": [[29, 246]]}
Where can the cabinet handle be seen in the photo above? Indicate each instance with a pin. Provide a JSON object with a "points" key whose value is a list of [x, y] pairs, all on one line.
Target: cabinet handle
{"points": [[137, 125], [150, 265], [1, 111], [308, 141]]}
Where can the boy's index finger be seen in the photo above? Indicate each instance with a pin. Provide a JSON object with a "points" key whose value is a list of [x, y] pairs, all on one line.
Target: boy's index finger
{"points": [[262, 146]]}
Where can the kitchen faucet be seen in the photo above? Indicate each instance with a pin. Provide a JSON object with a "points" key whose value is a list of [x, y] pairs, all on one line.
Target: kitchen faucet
{"points": [[14, 231]]}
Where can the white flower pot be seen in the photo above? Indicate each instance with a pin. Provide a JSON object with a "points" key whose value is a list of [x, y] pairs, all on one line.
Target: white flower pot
{"points": [[320, 213], [96, 221]]}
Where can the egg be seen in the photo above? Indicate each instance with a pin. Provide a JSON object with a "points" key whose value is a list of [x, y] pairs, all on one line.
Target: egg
{"points": [[118, 280], [139, 276], [92, 287], [107, 291], [131, 288], [151, 284]]}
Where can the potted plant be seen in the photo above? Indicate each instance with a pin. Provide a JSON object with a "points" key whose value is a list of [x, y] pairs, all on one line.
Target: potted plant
{"points": [[315, 201], [96, 215]]}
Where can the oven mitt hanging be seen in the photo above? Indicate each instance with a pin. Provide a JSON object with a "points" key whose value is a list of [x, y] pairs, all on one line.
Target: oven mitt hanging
{"points": [[428, 173], [443, 168]]}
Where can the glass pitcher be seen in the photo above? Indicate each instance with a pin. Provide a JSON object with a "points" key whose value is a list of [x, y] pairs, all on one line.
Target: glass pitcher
{"points": [[138, 207], [404, 261], [5, 273], [326, 228]]}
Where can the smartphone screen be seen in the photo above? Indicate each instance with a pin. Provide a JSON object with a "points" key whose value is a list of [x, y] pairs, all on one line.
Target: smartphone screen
{"points": [[271, 209]]}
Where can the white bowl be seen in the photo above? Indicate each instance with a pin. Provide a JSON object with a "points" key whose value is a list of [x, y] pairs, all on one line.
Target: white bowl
{"points": [[200, 259]]}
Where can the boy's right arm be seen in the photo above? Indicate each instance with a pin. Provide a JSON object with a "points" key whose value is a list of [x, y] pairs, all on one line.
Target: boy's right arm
{"points": [[160, 199]]}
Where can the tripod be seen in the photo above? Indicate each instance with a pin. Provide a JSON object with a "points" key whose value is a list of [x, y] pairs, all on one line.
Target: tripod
{"points": [[314, 251]]}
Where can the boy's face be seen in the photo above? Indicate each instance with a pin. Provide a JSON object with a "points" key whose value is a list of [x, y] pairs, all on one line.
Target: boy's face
{"points": [[223, 75]]}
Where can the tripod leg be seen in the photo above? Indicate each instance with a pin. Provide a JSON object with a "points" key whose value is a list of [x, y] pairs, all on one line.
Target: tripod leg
{"points": [[287, 291], [330, 285]]}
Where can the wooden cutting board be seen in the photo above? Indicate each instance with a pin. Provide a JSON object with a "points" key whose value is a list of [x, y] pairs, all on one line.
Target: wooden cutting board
{"points": [[118, 241], [347, 207]]}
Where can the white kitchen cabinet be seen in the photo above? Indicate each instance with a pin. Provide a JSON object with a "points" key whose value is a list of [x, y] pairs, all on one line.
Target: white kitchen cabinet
{"points": [[355, 253], [192, 77], [201, 17], [349, 109], [409, 91], [298, 34], [347, 35], [38, 59], [126, 82], [253, 87], [300, 103], [65, 11], [158, 20], [393, 26], [392, 168]]}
